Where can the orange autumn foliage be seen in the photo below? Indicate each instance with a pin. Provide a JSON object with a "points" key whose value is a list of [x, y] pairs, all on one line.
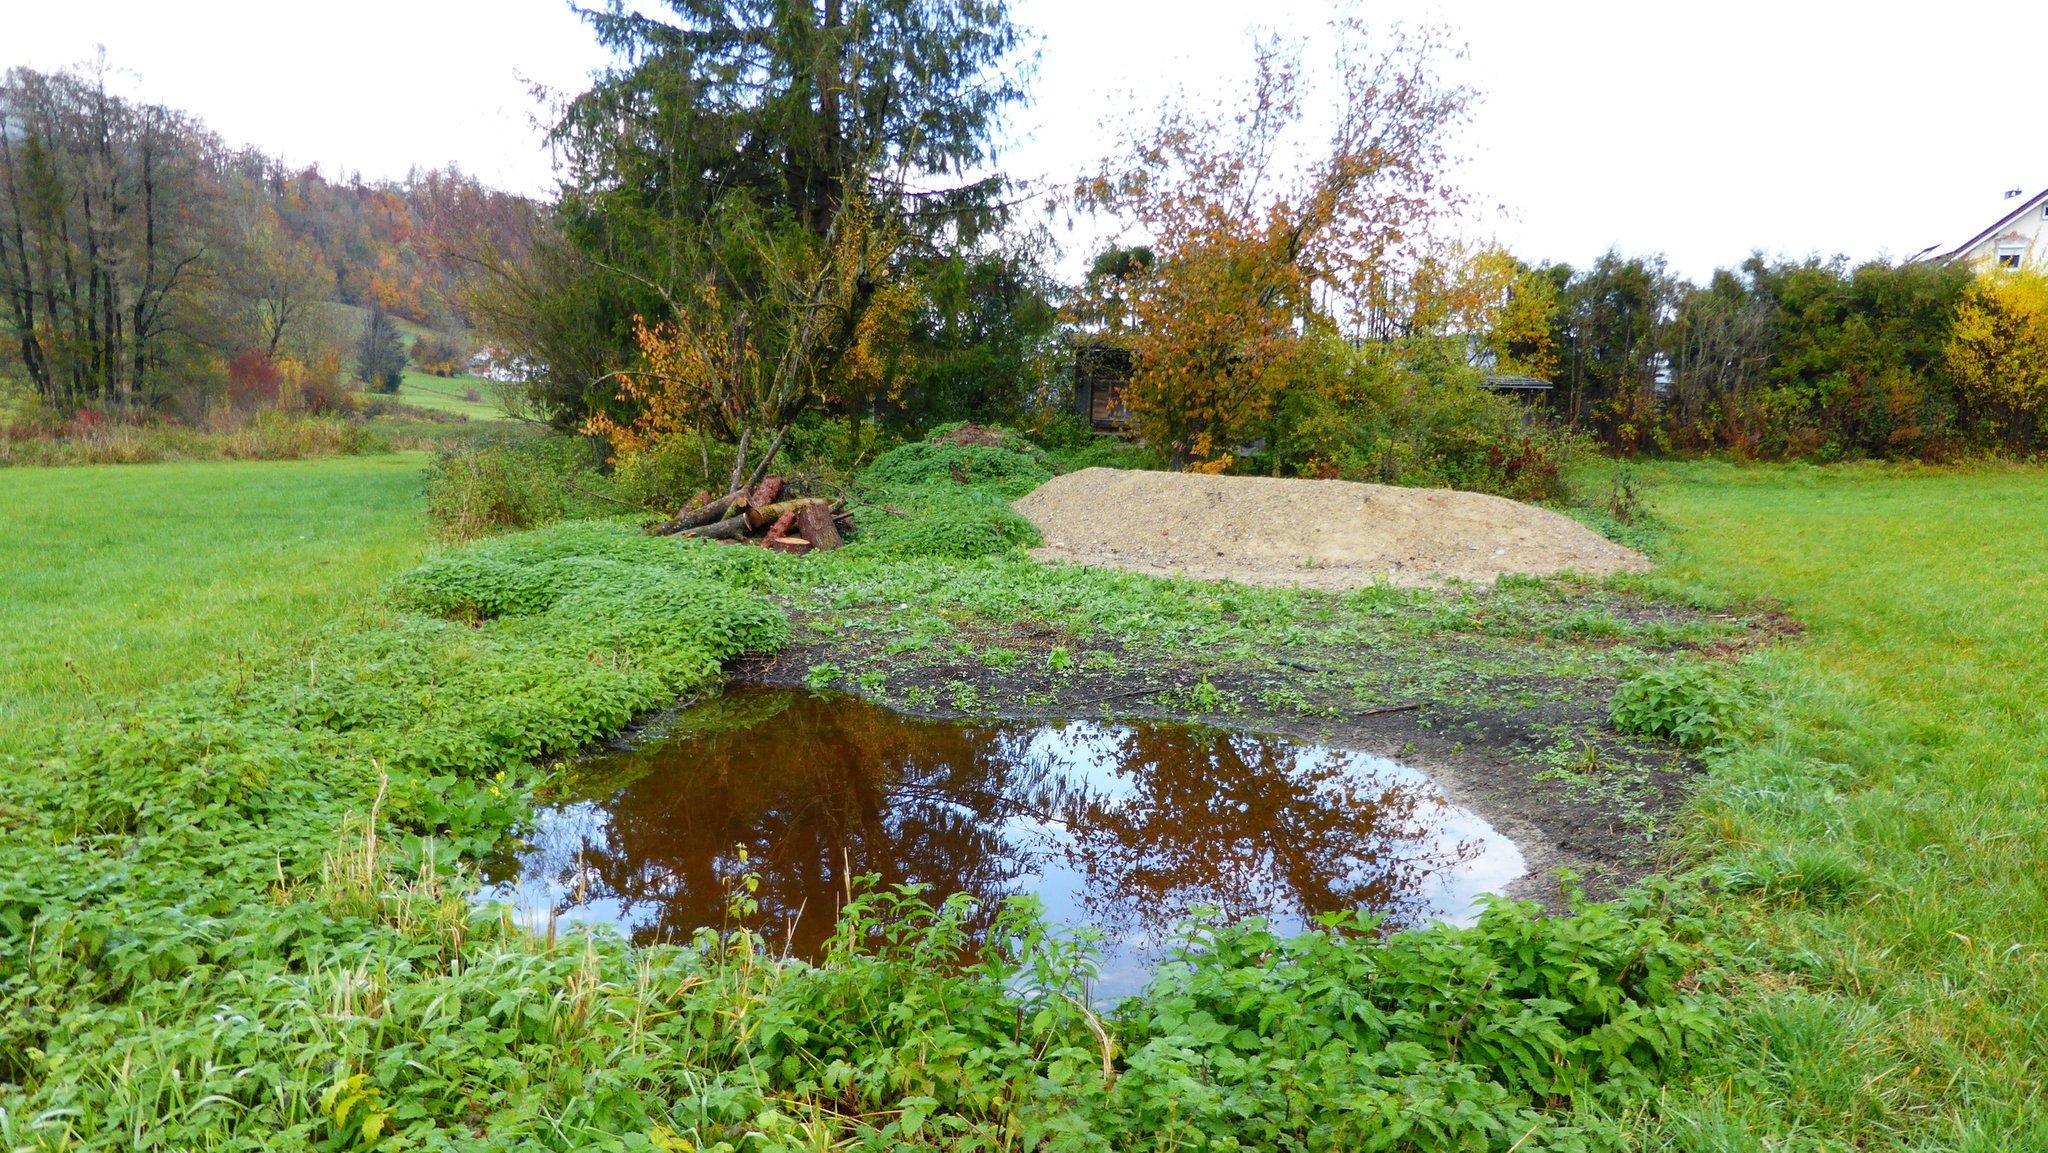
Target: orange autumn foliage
{"points": [[1261, 241], [829, 321]]}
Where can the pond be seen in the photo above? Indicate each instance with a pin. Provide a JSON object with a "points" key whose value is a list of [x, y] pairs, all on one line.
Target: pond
{"points": [[1125, 828]]}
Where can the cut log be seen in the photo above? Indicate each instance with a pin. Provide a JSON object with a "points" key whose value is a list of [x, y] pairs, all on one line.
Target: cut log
{"points": [[814, 524], [794, 545], [731, 528], [698, 517], [766, 492], [768, 514], [783, 526]]}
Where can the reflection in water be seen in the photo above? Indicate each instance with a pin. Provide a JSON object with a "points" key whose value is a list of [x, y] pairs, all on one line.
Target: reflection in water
{"points": [[1125, 828]]}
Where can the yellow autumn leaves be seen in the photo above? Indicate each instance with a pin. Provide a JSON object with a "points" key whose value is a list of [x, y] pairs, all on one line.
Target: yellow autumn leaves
{"points": [[1997, 351]]}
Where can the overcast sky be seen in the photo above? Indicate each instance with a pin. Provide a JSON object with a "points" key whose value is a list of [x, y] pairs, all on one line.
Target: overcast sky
{"points": [[1701, 131]]}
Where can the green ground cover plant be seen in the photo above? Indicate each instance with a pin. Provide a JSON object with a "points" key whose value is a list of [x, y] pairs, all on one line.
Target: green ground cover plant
{"points": [[236, 913], [235, 909]]}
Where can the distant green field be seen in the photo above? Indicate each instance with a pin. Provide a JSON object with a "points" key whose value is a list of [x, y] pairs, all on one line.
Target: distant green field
{"points": [[450, 394], [139, 575]]}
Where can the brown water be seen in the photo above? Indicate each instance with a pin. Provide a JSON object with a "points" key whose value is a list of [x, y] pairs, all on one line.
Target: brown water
{"points": [[1125, 828]]}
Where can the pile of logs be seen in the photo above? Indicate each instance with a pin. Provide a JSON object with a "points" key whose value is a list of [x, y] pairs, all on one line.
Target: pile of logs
{"points": [[757, 509], [797, 525]]}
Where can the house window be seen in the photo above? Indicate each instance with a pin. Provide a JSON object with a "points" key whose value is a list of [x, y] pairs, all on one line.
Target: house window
{"points": [[2011, 253]]}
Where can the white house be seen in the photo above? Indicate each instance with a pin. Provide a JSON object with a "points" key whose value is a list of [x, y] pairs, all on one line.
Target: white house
{"points": [[2009, 242]]}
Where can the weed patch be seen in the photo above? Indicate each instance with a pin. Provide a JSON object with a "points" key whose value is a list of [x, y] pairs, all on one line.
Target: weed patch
{"points": [[1691, 706]]}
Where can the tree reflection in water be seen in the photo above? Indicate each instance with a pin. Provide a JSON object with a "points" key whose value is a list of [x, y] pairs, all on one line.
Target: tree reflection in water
{"points": [[1125, 828]]}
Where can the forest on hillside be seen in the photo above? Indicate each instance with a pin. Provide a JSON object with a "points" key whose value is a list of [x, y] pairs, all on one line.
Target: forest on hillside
{"points": [[147, 266]]}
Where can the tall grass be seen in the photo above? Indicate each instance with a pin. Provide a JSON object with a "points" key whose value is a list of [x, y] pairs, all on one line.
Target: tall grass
{"points": [[265, 435]]}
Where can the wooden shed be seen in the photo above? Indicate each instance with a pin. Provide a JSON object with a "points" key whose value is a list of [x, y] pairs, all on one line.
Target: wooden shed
{"points": [[1102, 372]]}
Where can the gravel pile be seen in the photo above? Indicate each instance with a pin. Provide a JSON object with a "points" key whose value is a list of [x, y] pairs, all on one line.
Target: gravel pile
{"points": [[1327, 534]]}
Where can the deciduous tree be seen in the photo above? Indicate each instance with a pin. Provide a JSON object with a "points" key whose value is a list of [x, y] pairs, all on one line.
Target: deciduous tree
{"points": [[1259, 238], [380, 352]]}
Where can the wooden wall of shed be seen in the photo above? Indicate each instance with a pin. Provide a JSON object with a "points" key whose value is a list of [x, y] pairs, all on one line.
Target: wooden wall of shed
{"points": [[1101, 373]]}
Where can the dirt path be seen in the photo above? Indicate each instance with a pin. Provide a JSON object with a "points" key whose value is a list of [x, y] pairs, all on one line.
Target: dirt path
{"points": [[1324, 534]]}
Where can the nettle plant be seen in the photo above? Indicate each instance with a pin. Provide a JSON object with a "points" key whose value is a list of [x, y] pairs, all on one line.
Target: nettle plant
{"points": [[1692, 705]]}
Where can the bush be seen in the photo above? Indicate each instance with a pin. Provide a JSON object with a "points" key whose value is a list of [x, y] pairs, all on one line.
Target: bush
{"points": [[253, 381], [475, 490], [1524, 464], [1011, 470], [663, 475], [1415, 415], [1692, 705]]}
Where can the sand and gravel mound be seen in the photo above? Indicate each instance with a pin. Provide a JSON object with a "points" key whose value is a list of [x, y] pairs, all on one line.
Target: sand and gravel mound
{"points": [[1327, 534]]}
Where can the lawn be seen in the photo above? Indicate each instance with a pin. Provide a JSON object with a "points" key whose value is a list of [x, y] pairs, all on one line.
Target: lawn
{"points": [[120, 578], [1888, 827]]}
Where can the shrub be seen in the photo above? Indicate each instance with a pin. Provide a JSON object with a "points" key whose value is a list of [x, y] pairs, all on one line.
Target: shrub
{"points": [[1998, 354], [1692, 705], [663, 475], [480, 489], [253, 381], [1414, 416], [1011, 470]]}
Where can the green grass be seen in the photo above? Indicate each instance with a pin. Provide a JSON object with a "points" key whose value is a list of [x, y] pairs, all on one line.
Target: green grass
{"points": [[140, 575], [1884, 843], [1876, 856], [450, 394]]}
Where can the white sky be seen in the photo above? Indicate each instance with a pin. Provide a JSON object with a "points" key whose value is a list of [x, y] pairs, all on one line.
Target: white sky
{"points": [[1701, 131]]}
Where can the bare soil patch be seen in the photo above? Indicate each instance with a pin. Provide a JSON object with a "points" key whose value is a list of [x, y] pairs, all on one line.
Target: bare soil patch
{"points": [[1325, 534]]}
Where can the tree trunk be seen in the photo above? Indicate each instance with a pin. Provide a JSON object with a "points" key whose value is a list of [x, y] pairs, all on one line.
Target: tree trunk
{"points": [[731, 528], [768, 514], [815, 524], [697, 517]]}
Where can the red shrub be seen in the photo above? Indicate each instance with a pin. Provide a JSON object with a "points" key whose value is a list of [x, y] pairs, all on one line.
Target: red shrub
{"points": [[253, 380]]}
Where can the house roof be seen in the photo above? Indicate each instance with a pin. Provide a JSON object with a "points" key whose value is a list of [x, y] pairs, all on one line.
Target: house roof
{"points": [[2006, 221]]}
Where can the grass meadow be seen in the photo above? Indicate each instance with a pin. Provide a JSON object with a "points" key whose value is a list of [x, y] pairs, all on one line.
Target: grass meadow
{"points": [[120, 578], [1883, 842], [450, 394]]}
